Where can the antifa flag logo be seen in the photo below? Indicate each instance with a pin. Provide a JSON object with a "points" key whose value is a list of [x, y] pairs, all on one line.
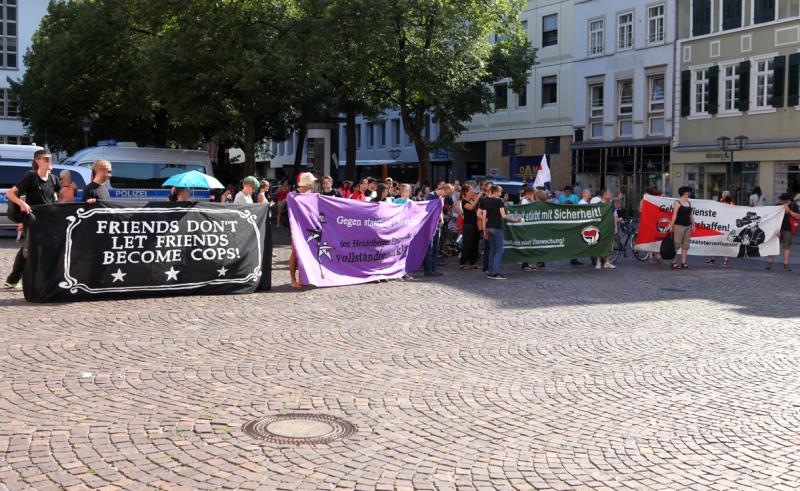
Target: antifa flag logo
{"points": [[663, 225], [590, 235]]}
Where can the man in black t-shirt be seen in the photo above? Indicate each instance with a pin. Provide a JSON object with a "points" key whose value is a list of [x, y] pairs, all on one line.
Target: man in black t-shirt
{"points": [[493, 213], [328, 189], [95, 190], [39, 188]]}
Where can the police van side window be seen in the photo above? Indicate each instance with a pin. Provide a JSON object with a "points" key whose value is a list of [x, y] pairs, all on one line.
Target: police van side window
{"points": [[11, 174], [127, 175]]}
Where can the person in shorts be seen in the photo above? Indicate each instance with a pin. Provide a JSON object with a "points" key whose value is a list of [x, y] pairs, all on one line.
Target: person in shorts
{"points": [[682, 225], [791, 212]]}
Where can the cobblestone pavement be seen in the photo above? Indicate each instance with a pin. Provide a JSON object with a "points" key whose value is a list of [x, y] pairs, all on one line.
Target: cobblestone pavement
{"points": [[638, 378]]}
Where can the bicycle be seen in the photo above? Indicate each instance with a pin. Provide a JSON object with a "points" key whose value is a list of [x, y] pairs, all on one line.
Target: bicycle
{"points": [[626, 240]]}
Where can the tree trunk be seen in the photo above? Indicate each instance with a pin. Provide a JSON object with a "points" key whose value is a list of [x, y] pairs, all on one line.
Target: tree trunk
{"points": [[161, 129], [424, 160], [302, 130], [351, 145], [249, 145]]}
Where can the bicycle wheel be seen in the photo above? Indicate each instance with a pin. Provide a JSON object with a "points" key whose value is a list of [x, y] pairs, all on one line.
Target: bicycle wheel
{"points": [[640, 255], [617, 250]]}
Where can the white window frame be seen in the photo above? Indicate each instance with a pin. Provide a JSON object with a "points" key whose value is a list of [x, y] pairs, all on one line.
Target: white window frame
{"points": [[754, 76], [596, 111], [653, 110], [628, 115], [741, 23], [541, 85], [596, 35], [706, 92], [7, 95], [724, 78], [662, 18], [558, 33], [5, 38], [396, 132], [753, 13], [370, 135], [625, 26], [691, 19], [382, 134]]}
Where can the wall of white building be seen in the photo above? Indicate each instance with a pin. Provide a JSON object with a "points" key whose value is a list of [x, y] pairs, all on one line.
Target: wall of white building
{"points": [[28, 15], [614, 60]]}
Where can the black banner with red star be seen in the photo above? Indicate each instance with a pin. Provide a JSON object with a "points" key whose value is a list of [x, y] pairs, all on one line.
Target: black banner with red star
{"points": [[125, 249]]}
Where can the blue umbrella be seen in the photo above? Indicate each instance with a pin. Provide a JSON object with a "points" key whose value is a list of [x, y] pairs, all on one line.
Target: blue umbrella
{"points": [[193, 179]]}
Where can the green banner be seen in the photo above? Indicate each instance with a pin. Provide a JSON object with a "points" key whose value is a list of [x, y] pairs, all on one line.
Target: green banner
{"points": [[557, 232]]}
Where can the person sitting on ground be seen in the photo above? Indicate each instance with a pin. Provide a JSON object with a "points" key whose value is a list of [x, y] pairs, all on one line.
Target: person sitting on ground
{"points": [[95, 190], [305, 184], [245, 196], [68, 188]]}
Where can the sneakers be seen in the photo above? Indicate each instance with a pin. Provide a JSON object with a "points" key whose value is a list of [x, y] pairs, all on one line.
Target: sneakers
{"points": [[13, 286], [608, 265], [497, 276], [598, 265]]}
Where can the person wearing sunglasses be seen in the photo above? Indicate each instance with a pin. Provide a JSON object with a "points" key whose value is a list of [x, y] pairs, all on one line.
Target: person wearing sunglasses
{"points": [[95, 190]]}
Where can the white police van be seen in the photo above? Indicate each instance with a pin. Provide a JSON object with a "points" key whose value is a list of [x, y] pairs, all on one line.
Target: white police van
{"points": [[15, 161], [138, 172]]}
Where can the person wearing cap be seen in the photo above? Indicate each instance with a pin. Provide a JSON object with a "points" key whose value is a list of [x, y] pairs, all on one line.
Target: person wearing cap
{"points": [[245, 196], [791, 211], [305, 184]]}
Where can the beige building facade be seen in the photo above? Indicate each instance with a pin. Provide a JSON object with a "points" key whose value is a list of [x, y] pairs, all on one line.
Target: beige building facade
{"points": [[738, 76]]}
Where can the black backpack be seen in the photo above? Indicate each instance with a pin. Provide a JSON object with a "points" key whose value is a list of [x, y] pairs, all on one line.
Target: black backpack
{"points": [[14, 212], [668, 248]]}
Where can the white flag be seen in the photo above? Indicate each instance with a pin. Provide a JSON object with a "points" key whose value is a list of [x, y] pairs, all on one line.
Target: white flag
{"points": [[543, 176]]}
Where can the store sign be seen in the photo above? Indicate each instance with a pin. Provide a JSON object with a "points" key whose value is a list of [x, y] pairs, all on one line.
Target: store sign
{"points": [[718, 156]]}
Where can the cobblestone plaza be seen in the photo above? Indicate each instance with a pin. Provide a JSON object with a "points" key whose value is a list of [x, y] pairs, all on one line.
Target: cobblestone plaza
{"points": [[571, 378]]}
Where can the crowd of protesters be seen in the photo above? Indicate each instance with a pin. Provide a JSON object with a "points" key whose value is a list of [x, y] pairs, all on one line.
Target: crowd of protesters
{"points": [[470, 226]]}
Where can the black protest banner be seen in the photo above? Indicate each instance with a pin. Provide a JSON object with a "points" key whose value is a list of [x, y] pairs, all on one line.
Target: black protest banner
{"points": [[125, 249]]}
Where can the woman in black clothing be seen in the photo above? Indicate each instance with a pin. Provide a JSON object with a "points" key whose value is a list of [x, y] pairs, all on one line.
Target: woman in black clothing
{"points": [[682, 225], [470, 233]]}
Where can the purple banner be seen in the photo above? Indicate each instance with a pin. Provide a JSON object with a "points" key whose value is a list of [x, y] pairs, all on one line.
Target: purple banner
{"points": [[346, 242]]}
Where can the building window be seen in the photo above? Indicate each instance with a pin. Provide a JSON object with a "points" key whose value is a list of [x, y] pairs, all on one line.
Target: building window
{"points": [[655, 24], [625, 107], [15, 140], [763, 11], [500, 96], [552, 145], [596, 28], [701, 17], [550, 30], [382, 134], [525, 28], [396, 131], [656, 104], [522, 97], [370, 135], [625, 31], [731, 14], [788, 8], [730, 88], [596, 111], [9, 103], [8, 10], [358, 136], [765, 78], [700, 92], [549, 90]]}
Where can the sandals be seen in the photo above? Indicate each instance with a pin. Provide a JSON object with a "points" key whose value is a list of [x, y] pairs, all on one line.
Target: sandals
{"points": [[675, 266], [684, 266]]}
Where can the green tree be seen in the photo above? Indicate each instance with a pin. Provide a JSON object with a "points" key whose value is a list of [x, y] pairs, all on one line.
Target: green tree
{"points": [[86, 61], [438, 58]]}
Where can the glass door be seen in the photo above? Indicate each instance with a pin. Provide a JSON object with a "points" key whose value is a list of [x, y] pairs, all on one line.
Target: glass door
{"points": [[712, 185]]}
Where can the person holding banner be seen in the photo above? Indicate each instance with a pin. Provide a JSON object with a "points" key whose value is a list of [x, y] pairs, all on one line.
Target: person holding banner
{"points": [[305, 183], [791, 211], [245, 196], [681, 225], [494, 213], [95, 190]]}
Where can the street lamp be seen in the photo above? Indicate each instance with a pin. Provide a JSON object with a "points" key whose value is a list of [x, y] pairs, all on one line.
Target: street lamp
{"points": [[727, 144], [86, 126]]}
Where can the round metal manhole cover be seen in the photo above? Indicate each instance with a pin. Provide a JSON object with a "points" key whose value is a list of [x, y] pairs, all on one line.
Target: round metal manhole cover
{"points": [[299, 429]]}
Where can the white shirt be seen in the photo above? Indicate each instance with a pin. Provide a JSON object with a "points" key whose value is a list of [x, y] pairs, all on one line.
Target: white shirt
{"points": [[583, 202], [595, 200], [242, 199], [756, 200], [524, 201]]}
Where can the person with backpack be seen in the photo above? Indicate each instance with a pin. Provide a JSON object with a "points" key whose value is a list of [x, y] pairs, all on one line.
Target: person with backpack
{"points": [[788, 229], [39, 188], [682, 225]]}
